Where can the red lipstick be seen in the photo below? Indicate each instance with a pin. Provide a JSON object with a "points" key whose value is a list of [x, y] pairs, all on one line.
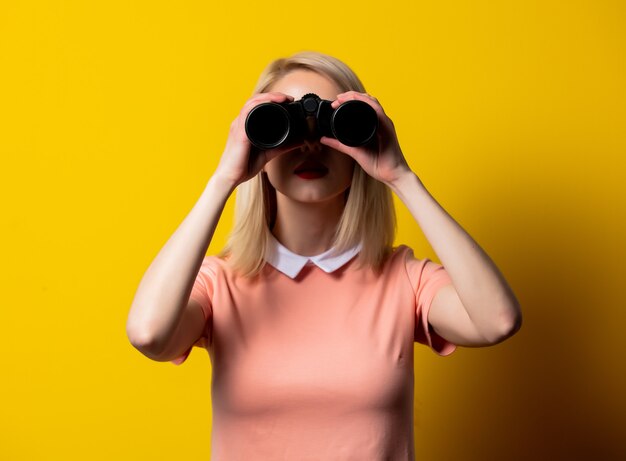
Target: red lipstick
{"points": [[312, 174], [311, 169]]}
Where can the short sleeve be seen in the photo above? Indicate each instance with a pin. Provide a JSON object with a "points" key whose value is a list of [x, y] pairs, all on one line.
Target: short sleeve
{"points": [[202, 292], [426, 278]]}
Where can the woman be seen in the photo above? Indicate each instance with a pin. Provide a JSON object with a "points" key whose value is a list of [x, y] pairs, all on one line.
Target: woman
{"points": [[309, 314]]}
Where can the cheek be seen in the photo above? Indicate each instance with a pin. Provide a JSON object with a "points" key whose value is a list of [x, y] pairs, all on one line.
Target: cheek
{"points": [[274, 169], [277, 176], [271, 177], [348, 168]]}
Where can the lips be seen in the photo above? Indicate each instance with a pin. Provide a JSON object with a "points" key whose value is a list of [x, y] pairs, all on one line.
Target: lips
{"points": [[311, 165]]}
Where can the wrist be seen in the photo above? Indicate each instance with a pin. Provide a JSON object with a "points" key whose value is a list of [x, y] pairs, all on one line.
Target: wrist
{"points": [[222, 184], [402, 179]]}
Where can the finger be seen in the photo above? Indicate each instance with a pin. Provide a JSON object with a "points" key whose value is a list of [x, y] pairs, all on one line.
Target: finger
{"points": [[360, 96], [337, 145], [261, 98], [276, 95], [273, 96], [271, 154], [349, 95], [284, 95]]}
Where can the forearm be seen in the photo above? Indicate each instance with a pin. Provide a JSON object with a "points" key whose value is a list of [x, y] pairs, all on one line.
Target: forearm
{"points": [[481, 287], [166, 285]]}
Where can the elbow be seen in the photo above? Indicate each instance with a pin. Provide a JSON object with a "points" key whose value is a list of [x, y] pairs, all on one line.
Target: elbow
{"points": [[141, 333], [512, 324], [509, 324], [142, 340], [139, 338]]}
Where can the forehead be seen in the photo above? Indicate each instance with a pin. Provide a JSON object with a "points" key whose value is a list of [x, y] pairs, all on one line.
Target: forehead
{"points": [[299, 82]]}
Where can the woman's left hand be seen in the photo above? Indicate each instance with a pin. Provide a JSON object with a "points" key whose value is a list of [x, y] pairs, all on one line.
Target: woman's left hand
{"points": [[383, 160]]}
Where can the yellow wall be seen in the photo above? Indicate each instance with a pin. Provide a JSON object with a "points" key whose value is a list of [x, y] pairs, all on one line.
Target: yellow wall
{"points": [[114, 116]]}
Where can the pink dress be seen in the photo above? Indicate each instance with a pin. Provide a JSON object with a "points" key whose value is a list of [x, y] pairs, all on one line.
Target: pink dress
{"points": [[316, 361]]}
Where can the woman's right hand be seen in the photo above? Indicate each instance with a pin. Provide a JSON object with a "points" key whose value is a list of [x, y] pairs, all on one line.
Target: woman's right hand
{"points": [[242, 161]]}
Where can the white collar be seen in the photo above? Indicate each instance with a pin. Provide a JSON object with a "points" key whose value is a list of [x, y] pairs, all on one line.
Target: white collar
{"points": [[291, 263]]}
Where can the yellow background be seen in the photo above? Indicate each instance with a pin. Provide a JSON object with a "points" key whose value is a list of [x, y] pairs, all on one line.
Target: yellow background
{"points": [[114, 116]]}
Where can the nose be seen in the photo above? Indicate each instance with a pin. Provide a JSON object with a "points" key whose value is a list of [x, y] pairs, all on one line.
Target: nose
{"points": [[311, 141], [311, 145]]}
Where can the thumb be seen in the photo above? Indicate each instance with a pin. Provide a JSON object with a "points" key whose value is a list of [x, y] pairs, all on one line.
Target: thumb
{"points": [[337, 145]]}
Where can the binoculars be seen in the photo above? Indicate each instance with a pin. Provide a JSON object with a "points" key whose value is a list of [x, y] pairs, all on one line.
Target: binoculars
{"points": [[270, 124]]}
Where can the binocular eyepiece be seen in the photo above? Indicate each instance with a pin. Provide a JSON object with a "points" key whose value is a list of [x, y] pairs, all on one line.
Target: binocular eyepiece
{"points": [[270, 125]]}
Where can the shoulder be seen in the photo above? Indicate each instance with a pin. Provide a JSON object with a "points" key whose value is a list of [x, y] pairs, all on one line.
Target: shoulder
{"points": [[407, 254], [415, 268], [403, 253], [220, 267], [213, 265], [396, 260]]}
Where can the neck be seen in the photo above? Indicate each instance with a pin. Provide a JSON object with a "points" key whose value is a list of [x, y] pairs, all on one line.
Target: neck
{"points": [[307, 229]]}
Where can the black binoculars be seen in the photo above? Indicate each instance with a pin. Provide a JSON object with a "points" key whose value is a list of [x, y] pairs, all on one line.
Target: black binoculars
{"points": [[270, 124]]}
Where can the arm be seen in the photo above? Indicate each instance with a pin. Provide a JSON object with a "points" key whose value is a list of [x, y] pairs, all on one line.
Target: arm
{"points": [[164, 290], [481, 302], [481, 308], [162, 299]]}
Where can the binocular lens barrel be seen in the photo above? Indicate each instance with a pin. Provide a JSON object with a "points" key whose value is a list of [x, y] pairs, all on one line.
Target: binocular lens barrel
{"points": [[354, 123], [267, 125]]}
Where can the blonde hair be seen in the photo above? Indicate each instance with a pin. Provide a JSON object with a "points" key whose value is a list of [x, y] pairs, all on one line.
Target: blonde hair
{"points": [[368, 217]]}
